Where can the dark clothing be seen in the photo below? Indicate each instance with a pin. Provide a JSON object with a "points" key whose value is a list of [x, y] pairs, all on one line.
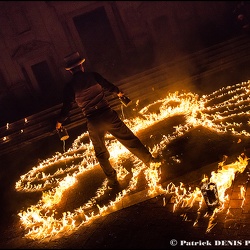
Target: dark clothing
{"points": [[109, 121], [87, 89]]}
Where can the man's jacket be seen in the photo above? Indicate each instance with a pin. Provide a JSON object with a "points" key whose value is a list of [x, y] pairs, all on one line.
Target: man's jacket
{"points": [[87, 90]]}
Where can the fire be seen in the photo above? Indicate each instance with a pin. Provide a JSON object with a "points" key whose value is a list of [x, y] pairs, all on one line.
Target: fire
{"points": [[218, 111]]}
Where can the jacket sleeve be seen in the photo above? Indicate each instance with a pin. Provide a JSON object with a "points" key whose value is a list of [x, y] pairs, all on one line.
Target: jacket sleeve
{"points": [[108, 86], [68, 101]]}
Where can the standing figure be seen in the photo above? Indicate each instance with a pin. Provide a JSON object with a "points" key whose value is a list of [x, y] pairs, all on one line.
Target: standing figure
{"points": [[87, 90], [241, 14]]}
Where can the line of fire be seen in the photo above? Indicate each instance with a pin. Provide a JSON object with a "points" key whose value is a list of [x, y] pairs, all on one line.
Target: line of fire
{"points": [[224, 111]]}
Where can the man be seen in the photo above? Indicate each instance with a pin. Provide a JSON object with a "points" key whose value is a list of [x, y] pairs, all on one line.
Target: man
{"points": [[87, 90]]}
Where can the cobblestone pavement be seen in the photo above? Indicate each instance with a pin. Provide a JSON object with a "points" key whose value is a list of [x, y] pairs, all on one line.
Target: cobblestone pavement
{"points": [[144, 221], [166, 218]]}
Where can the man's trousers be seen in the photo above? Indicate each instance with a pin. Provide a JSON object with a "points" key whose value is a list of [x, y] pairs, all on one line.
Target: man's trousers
{"points": [[109, 121]]}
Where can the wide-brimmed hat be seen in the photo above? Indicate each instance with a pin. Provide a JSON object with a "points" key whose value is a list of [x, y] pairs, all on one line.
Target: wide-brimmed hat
{"points": [[73, 60]]}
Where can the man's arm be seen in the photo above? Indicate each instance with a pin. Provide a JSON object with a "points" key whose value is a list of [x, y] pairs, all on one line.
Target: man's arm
{"points": [[68, 101], [108, 86]]}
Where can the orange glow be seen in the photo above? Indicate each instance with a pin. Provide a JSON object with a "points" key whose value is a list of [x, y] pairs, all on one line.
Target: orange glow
{"points": [[218, 111]]}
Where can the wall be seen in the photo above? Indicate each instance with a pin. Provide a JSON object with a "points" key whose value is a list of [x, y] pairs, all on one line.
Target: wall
{"points": [[144, 34]]}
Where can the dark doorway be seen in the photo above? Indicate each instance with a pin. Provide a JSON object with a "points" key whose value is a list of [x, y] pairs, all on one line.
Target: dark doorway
{"points": [[46, 82], [43, 76], [98, 38]]}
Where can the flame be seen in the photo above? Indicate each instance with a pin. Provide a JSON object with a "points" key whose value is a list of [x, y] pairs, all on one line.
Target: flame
{"points": [[54, 176]]}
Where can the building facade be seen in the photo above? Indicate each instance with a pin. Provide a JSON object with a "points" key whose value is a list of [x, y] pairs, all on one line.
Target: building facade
{"points": [[117, 38]]}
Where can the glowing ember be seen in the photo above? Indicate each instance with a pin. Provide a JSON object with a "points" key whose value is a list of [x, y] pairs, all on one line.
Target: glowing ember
{"points": [[218, 111]]}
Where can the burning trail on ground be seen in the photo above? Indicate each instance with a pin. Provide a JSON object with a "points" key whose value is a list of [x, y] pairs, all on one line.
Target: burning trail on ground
{"points": [[223, 111]]}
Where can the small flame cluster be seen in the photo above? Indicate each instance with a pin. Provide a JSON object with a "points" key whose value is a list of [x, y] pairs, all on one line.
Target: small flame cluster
{"points": [[221, 111]]}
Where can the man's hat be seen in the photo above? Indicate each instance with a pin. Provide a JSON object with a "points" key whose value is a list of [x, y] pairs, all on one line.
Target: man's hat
{"points": [[73, 60]]}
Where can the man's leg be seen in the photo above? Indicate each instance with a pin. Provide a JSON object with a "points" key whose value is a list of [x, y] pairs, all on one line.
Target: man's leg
{"points": [[124, 135], [101, 152]]}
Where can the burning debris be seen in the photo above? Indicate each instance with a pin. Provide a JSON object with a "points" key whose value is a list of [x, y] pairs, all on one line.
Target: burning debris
{"points": [[210, 194]]}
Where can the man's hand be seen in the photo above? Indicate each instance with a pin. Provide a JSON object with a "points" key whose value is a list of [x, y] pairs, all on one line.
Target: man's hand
{"points": [[120, 94], [58, 125]]}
